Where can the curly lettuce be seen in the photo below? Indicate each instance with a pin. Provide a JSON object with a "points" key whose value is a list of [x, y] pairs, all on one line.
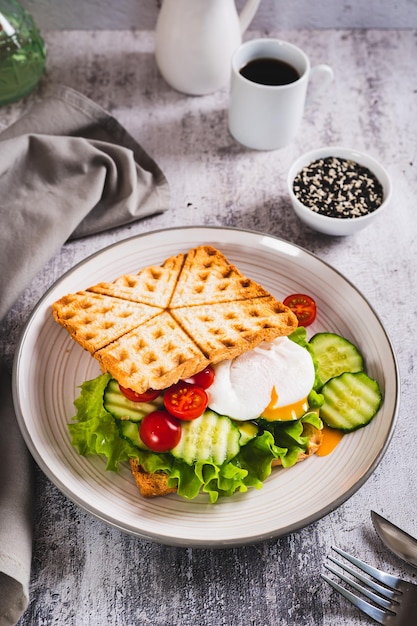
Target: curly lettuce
{"points": [[94, 431]]}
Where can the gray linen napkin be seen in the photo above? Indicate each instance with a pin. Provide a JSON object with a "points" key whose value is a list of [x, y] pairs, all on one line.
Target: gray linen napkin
{"points": [[16, 487], [67, 169]]}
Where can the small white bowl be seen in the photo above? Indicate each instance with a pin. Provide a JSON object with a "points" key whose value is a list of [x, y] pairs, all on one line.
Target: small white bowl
{"points": [[334, 225]]}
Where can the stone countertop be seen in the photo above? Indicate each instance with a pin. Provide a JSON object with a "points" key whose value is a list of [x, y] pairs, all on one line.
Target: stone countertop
{"points": [[87, 573]]}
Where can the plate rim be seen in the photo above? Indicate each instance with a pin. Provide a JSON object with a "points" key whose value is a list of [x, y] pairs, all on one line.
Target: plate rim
{"points": [[192, 542]]}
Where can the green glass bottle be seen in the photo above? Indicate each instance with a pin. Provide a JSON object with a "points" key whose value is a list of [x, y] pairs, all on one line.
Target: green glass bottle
{"points": [[22, 52]]}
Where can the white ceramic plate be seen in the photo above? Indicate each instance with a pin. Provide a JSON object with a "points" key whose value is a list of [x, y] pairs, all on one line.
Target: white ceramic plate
{"points": [[49, 367]]}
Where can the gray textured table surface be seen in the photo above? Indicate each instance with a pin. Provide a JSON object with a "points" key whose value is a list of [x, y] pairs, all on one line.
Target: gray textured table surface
{"points": [[87, 573]]}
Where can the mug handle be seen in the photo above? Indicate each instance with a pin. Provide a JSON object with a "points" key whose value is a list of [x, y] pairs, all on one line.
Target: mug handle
{"points": [[320, 78]]}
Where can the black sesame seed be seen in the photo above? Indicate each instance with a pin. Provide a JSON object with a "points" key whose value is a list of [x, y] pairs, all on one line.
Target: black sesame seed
{"points": [[338, 188]]}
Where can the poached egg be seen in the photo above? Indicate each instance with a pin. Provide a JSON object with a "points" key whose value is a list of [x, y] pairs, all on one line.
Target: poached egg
{"points": [[273, 381]]}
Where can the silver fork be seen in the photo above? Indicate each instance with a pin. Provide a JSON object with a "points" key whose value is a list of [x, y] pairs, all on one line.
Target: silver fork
{"points": [[396, 599]]}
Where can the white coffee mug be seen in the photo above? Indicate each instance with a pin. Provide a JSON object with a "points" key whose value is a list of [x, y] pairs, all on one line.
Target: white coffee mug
{"points": [[268, 116]]}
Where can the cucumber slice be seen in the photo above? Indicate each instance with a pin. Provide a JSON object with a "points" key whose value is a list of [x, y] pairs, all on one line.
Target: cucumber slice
{"points": [[351, 400], [335, 355], [116, 403], [209, 438], [130, 431], [248, 431]]}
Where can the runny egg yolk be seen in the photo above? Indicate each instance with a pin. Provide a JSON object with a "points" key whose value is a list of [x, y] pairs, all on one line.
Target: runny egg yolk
{"points": [[284, 413], [331, 438]]}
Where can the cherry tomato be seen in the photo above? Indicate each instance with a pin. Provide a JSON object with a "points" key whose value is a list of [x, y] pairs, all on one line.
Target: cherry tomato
{"points": [[160, 431], [203, 379], [303, 306], [148, 396], [185, 400]]}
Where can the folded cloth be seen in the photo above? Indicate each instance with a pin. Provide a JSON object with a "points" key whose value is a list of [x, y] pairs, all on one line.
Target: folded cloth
{"points": [[16, 490], [67, 169]]}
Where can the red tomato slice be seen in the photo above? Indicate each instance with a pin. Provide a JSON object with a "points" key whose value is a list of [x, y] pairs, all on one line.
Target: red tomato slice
{"points": [[148, 396], [203, 379], [303, 307], [160, 431], [185, 400]]}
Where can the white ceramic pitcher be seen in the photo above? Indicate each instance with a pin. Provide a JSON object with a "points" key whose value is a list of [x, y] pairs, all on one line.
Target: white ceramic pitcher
{"points": [[195, 40]]}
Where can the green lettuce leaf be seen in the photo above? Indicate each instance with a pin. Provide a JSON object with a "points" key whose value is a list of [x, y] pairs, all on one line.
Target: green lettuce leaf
{"points": [[299, 335], [290, 436], [94, 432]]}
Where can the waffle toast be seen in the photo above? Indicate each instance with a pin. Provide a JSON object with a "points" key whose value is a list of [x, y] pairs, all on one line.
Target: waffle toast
{"points": [[154, 285], [150, 484], [168, 322], [95, 320], [207, 277], [223, 330], [162, 354]]}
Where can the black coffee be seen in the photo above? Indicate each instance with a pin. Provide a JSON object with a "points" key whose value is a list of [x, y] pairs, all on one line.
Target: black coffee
{"points": [[267, 71]]}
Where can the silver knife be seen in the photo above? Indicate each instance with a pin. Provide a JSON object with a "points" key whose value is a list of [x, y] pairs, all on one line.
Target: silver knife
{"points": [[397, 540]]}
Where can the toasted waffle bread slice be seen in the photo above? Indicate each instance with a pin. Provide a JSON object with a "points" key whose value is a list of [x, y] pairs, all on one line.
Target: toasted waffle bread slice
{"points": [[139, 333], [154, 285], [150, 484], [155, 355], [208, 277], [94, 320], [226, 329]]}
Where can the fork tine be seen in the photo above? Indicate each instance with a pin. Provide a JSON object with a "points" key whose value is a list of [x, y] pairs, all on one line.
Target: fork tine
{"points": [[382, 602], [382, 577], [384, 591], [372, 611]]}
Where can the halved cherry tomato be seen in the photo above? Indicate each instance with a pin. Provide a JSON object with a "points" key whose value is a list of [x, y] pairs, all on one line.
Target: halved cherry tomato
{"points": [[203, 379], [303, 307], [185, 400], [160, 431], [148, 396]]}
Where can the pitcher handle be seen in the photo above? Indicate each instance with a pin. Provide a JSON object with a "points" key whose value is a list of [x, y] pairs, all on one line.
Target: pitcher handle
{"points": [[247, 14]]}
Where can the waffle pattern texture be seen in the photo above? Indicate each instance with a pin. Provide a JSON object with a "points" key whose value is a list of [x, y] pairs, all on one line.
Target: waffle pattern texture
{"points": [[168, 322]]}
